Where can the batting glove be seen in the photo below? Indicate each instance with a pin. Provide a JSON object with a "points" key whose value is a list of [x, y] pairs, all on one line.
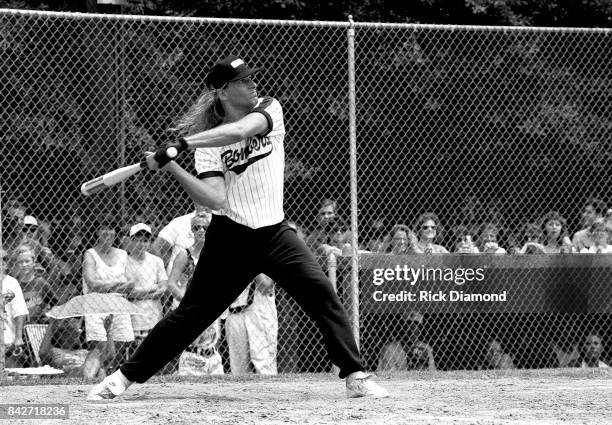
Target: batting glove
{"points": [[170, 151]]}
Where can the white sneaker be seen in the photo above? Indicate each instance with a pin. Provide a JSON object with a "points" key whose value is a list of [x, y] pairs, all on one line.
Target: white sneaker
{"points": [[111, 387], [364, 386]]}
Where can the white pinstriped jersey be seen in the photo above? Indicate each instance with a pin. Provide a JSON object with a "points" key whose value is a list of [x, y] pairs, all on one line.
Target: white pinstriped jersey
{"points": [[254, 171]]}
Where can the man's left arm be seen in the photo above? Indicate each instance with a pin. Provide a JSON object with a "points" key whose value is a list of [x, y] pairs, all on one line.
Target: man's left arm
{"points": [[266, 117], [252, 124]]}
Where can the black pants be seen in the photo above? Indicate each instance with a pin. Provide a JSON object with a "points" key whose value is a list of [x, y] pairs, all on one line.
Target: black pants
{"points": [[232, 256]]}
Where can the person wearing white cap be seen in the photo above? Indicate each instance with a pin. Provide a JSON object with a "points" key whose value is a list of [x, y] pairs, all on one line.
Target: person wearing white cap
{"points": [[33, 235], [30, 233], [29, 220], [149, 276]]}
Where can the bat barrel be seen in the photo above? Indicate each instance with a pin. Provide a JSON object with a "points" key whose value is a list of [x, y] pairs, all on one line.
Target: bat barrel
{"points": [[93, 186], [109, 179]]}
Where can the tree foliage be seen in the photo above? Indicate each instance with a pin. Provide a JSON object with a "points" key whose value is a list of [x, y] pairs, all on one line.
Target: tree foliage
{"points": [[68, 95], [568, 13]]}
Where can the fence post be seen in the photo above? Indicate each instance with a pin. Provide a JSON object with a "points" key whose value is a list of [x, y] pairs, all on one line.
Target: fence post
{"points": [[353, 293], [121, 110]]}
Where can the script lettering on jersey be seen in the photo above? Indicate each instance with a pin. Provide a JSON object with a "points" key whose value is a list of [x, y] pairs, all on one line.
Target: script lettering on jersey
{"points": [[248, 153]]}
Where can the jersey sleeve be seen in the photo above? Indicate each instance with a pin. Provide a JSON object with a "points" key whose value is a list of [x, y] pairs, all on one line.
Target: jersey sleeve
{"points": [[273, 111], [168, 233], [208, 163]]}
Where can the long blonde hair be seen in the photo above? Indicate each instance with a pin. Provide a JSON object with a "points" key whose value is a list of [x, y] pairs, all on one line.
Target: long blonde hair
{"points": [[206, 113]]}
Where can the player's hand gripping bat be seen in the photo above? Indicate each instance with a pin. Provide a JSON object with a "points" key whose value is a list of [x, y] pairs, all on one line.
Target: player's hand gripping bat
{"points": [[117, 176]]}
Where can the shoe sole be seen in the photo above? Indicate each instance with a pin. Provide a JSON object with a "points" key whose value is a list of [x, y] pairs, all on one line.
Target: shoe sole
{"points": [[367, 395]]}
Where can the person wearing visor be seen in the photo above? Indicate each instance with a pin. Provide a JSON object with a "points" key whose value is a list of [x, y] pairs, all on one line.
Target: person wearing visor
{"points": [[148, 274]]}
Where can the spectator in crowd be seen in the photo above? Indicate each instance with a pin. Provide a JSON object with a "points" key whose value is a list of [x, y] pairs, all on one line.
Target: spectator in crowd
{"points": [[429, 231], [337, 241], [63, 347], [149, 278], [565, 353], [11, 232], [251, 329], [463, 241], [496, 358], [376, 236], [177, 234], [76, 233], [599, 239], [186, 260], [513, 241], [402, 240], [592, 350], [532, 239], [38, 294], [555, 239], [410, 352], [104, 271], [44, 233], [68, 240], [488, 239], [327, 213], [15, 313], [202, 357], [33, 235], [329, 226], [14, 207], [594, 209]]}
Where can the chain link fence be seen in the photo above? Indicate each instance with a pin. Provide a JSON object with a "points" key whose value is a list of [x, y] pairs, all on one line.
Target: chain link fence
{"points": [[467, 139]]}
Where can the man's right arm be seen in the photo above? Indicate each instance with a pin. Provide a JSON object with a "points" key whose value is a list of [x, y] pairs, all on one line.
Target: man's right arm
{"points": [[209, 191]]}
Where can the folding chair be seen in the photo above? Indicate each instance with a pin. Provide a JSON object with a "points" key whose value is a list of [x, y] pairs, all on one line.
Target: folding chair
{"points": [[34, 333]]}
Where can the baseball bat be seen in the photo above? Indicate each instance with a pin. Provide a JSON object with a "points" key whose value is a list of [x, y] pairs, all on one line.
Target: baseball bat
{"points": [[117, 176]]}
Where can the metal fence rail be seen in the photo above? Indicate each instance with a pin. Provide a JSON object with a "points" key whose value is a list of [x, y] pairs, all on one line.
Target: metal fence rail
{"points": [[489, 128]]}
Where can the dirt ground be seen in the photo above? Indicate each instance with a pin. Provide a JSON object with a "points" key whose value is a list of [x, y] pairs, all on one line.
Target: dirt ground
{"points": [[480, 397]]}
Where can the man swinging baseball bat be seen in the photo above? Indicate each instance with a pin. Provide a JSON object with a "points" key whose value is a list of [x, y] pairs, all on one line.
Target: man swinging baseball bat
{"points": [[239, 154]]}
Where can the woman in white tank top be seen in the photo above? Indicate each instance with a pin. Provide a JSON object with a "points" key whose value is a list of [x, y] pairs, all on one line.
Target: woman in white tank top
{"points": [[104, 271]]}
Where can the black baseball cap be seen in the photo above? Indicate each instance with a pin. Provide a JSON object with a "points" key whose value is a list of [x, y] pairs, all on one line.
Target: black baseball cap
{"points": [[230, 69]]}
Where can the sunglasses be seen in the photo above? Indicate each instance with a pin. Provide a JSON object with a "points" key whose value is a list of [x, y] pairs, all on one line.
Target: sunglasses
{"points": [[243, 81], [30, 229], [197, 228], [246, 80]]}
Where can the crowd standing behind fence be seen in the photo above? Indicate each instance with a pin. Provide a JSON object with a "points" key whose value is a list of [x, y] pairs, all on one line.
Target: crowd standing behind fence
{"points": [[549, 237]]}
